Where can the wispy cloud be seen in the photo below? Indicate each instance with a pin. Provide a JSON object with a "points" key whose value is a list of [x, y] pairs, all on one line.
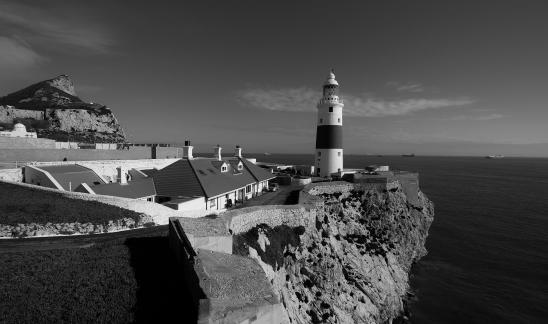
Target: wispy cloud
{"points": [[479, 118], [39, 26], [304, 100], [17, 54], [413, 87]]}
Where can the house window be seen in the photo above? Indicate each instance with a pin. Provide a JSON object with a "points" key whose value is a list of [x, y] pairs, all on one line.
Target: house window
{"points": [[321, 120], [339, 120], [319, 153], [330, 109], [223, 168], [212, 203], [248, 189], [240, 166]]}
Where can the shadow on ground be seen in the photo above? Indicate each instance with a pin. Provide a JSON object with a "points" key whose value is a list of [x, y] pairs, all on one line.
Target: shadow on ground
{"points": [[292, 198], [162, 295]]}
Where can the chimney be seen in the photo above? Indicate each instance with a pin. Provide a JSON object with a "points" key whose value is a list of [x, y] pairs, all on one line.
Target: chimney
{"points": [[122, 175], [238, 151], [187, 150], [217, 151]]}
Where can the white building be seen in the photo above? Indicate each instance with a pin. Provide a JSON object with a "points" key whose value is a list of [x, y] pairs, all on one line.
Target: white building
{"points": [[19, 130], [329, 134], [210, 184]]}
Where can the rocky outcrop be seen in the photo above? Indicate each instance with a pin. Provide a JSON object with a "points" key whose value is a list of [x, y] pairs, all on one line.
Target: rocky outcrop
{"points": [[50, 229], [352, 266], [53, 110]]}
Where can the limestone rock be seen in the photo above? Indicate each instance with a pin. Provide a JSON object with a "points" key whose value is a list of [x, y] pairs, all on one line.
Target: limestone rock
{"points": [[352, 267], [53, 110]]}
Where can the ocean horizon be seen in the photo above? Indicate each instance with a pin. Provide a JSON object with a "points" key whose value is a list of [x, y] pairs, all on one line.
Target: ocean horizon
{"points": [[487, 248]]}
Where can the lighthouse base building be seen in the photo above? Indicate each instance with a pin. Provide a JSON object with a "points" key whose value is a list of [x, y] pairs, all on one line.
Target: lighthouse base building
{"points": [[329, 132]]}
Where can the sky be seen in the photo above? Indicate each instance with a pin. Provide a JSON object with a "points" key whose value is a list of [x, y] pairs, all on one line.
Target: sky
{"points": [[424, 77]]}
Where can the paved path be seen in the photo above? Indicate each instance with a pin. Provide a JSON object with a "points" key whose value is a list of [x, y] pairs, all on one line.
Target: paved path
{"points": [[74, 241], [284, 196]]}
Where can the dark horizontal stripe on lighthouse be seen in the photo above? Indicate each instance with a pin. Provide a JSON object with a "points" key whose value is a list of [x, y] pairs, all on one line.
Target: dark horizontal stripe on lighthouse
{"points": [[329, 137]]}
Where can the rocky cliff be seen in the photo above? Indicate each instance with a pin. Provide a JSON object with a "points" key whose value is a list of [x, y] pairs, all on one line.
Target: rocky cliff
{"points": [[352, 266], [53, 110]]}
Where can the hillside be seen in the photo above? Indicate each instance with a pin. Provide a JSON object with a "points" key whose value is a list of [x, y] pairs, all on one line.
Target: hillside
{"points": [[53, 109]]}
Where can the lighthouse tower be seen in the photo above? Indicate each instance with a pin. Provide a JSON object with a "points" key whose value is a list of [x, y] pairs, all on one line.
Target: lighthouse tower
{"points": [[329, 134]]}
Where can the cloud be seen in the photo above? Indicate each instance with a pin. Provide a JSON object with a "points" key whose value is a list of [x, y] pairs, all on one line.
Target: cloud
{"points": [[480, 118], [40, 26], [413, 87], [17, 54], [304, 100]]}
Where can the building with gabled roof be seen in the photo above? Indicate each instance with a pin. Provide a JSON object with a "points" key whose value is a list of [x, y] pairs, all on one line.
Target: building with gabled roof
{"points": [[222, 182]]}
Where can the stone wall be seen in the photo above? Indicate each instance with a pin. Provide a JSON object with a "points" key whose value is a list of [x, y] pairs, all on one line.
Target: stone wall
{"points": [[242, 220], [14, 175], [26, 143], [318, 188], [13, 153]]}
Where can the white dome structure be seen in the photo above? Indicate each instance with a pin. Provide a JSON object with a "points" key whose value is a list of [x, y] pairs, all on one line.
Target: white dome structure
{"points": [[20, 128]]}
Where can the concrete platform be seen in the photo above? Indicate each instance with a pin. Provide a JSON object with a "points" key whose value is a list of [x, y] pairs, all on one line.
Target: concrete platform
{"points": [[237, 289], [225, 288]]}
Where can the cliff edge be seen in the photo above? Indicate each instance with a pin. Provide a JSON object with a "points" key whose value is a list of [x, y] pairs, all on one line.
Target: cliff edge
{"points": [[353, 265], [53, 110]]}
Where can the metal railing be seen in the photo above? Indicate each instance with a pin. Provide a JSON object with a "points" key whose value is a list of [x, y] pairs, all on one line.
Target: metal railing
{"points": [[331, 100]]}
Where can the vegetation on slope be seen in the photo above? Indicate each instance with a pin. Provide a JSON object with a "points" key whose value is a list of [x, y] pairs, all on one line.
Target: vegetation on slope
{"points": [[118, 281]]}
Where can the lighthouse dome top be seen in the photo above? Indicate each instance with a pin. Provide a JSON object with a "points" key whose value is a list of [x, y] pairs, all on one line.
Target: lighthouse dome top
{"points": [[331, 79]]}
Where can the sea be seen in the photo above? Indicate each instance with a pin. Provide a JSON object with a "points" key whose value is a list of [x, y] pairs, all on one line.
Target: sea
{"points": [[487, 248]]}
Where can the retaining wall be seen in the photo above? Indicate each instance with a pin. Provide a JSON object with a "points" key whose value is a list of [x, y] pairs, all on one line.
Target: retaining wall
{"points": [[242, 220]]}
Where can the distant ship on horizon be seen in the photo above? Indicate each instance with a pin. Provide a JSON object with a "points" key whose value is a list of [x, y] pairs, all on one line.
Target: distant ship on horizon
{"points": [[497, 156], [408, 155]]}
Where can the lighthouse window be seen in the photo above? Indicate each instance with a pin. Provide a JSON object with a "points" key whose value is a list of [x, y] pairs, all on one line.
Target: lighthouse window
{"points": [[319, 153], [339, 120], [330, 109], [339, 153], [321, 120]]}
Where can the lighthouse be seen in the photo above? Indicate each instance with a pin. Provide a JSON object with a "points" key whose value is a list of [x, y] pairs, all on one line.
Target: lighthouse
{"points": [[329, 133]]}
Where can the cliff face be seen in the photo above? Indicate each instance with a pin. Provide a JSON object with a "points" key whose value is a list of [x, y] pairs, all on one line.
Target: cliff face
{"points": [[53, 110], [353, 266]]}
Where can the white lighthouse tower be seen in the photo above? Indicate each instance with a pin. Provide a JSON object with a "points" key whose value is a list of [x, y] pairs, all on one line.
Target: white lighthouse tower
{"points": [[329, 134]]}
